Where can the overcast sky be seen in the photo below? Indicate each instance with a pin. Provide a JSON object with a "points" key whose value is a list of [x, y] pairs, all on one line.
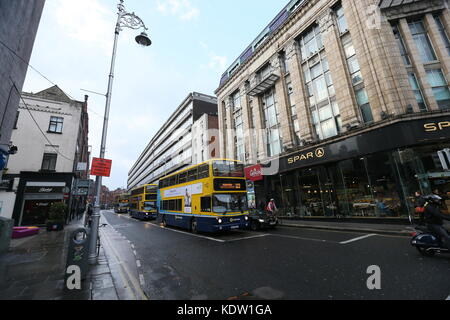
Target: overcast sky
{"points": [[194, 42]]}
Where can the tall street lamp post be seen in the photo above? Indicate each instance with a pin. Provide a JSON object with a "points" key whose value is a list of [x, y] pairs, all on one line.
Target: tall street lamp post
{"points": [[124, 20]]}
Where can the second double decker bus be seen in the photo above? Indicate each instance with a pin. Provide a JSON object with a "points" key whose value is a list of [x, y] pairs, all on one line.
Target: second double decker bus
{"points": [[208, 197], [143, 202], [121, 203]]}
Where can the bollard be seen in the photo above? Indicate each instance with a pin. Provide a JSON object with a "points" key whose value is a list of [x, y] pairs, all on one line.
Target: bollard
{"points": [[77, 258], [6, 228]]}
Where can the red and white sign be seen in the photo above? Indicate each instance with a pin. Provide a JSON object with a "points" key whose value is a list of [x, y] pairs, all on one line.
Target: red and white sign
{"points": [[254, 173], [101, 167]]}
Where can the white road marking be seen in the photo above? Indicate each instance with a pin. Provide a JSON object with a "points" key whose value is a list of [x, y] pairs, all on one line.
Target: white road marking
{"points": [[357, 239], [193, 235], [448, 298], [135, 253], [141, 279], [138, 263], [299, 238], [247, 238], [132, 245]]}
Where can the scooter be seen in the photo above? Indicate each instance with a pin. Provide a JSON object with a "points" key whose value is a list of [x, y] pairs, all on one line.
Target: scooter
{"points": [[426, 243]]}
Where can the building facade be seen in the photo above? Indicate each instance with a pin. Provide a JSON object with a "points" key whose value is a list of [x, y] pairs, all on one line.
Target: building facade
{"points": [[343, 107], [205, 143], [19, 21], [172, 147], [52, 162]]}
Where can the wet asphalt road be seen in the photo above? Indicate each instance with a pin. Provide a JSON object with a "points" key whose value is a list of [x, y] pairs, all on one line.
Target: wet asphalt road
{"points": [[285, 263]]}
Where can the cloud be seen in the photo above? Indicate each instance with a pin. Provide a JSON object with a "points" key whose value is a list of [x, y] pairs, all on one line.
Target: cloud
{"points": [[217, 63], [182, 9], [87, 21]]}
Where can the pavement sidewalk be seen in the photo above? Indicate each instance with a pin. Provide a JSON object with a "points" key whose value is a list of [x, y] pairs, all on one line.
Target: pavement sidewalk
{"points": [[34, 269]]}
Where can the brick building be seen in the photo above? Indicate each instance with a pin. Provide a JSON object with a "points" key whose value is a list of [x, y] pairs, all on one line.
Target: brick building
{"points": [[343, 107]]}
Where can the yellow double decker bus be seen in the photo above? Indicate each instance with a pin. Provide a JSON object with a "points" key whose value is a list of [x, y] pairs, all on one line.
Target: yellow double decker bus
{"points": [[208, 197], [143, 202], [121, 203]]}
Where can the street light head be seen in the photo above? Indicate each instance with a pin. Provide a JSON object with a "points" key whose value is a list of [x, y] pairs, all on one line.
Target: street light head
{"points": [[143, 40]]}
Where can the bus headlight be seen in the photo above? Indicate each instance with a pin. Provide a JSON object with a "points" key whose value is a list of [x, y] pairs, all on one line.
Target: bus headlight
{"points": [[261, 220], [219, 221], [246, 218]]}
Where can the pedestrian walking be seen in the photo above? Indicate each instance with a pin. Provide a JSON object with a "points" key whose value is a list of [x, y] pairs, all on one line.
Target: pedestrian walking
{"points": [[271, 207]]}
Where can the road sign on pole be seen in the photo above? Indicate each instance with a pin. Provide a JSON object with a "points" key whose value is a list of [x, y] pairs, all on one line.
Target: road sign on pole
{"points": [[101, 167]]}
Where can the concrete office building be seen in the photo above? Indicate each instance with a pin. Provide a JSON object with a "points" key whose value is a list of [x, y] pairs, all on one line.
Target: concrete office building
{"points": [[342, 108], [179, 142], [19, 21]]}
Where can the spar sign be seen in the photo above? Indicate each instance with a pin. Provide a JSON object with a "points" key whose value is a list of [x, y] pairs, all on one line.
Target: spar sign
{"points": [[101, 167]]}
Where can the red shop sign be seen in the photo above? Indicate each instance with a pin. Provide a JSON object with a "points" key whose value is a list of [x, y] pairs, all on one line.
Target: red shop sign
{"points": [[254, 173]]}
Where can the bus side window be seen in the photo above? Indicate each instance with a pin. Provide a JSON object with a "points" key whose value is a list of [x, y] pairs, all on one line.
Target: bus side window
{"points": [[203, 171], [192, 175], [182, 178], [205, 204]]}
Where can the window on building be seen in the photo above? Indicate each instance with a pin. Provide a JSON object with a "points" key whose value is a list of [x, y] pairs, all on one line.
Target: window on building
{"points": [[273, 137], [284, 64], [341, 21], [321, 93], [49, 162], [440, 88], [239, 127], [311, 43], [354, 70], [17, 119], [401, 45], [443, 32], [56, 125], [352, 61], [290, 92], [422, 41], [417, 91], [363, 102]]}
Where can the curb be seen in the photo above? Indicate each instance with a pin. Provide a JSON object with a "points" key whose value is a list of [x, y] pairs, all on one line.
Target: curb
{"points": [[359, 230]]}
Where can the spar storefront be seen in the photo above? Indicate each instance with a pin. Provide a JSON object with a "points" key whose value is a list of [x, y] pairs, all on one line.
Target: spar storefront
{"points": [[367, 174]]}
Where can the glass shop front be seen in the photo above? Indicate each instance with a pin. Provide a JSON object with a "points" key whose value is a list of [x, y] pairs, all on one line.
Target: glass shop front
{"points": [[358, 178]]}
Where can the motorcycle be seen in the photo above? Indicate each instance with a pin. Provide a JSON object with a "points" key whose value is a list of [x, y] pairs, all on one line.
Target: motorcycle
{"points": [[426, 243]]}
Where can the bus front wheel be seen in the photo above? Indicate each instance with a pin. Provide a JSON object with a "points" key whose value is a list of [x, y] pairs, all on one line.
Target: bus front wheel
{"points": [[194, 225]]}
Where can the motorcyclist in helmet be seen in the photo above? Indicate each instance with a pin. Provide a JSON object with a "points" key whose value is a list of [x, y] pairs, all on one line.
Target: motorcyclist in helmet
{"points": [[435, 220]]}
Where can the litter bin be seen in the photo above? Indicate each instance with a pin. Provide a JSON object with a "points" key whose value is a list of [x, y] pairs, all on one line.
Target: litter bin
{"points": [[78, 253]]}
